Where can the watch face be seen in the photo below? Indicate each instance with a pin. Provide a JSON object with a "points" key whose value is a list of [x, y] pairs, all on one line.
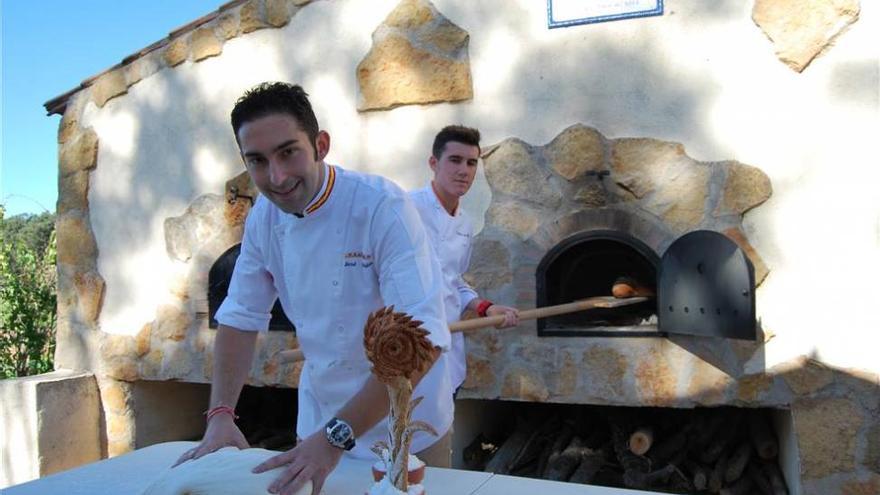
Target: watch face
{"points": [[339, 434]]}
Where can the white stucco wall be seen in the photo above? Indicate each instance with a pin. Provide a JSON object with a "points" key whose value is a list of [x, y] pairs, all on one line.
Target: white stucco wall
{"points": [[703, 74]]}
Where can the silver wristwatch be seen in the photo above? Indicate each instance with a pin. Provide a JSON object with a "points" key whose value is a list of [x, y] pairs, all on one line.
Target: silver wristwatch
{"points": [[339, 434]]}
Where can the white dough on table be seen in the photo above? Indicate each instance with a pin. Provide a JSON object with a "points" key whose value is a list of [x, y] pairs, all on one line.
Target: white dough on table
{"points": [[224, 472]]}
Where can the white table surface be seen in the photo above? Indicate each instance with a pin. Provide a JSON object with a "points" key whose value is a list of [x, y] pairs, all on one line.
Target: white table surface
{"points": [[132, 473]]}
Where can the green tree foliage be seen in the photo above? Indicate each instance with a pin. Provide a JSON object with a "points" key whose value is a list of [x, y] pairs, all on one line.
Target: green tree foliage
{"points": [[27, 294]]}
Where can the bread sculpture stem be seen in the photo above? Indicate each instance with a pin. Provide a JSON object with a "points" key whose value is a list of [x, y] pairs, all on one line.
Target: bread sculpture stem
{"points": [[398, 349]]}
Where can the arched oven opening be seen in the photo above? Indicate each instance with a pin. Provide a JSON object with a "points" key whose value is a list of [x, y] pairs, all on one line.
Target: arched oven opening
{"points": [[590, 264], [218, 285]]}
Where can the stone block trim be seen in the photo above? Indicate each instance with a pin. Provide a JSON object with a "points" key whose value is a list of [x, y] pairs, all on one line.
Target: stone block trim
{"points": [[80, 287], [576, 151], [827, 430], [109, 85], [515, 170], [119, 416], [253, 16], [276, 13], [79, 152], [418, 57], [801, 29], [76, 242], [176, 52], [89, 288], [73, 192]]}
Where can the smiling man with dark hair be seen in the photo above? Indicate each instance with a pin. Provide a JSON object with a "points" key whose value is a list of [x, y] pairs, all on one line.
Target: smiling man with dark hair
{"points": [[332, 245]]}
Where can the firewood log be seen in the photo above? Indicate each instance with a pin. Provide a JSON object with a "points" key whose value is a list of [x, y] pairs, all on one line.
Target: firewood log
{"points": [[743, 486], [699, 474], [628, 460], [759, 480], [636, 469], [502, 461], [708, 428], [719, 443], [478, 453], [535, 444], [762, 436], [716, 477], [670, 447], [737, 462], [653, 479], [562, 466], [554, 448], [774, 475], [589, 466], [640, 441]]}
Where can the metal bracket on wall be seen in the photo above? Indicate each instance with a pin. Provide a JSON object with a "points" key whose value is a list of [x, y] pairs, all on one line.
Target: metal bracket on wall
{"points": [[232, 196], [599, 174]]}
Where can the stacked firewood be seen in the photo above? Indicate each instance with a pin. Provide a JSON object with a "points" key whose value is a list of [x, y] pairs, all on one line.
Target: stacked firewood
{"points": [[726, 450]]}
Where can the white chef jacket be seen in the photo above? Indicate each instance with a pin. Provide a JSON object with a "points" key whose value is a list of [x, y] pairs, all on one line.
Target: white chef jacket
{"points": [[450, 237], [359, 246]]}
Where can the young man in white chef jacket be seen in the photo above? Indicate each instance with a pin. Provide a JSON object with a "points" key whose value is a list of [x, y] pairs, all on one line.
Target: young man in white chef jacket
{"points": [[454, 158], [332, 245]]}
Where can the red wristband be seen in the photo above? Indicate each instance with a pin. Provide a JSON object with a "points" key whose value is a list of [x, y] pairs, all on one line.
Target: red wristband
{"points": [[483, 306], [210, 413]]}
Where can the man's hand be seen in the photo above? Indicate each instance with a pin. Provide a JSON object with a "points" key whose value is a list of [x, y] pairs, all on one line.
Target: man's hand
{"points": [[313, 459], [222, 432], [511, 315]]}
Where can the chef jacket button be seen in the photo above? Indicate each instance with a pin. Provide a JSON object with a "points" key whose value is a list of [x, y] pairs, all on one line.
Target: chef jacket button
{"points": [[335, 283]]}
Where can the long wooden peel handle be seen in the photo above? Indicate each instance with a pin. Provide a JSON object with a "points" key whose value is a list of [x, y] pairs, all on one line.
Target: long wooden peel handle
{"points": [[294, 355], [533, 314]]}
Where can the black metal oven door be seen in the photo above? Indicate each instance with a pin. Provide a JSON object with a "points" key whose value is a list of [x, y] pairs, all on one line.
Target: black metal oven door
{"points": [[706, 287]]}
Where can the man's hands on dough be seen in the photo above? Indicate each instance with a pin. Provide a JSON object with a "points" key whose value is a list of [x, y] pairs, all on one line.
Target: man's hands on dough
{"points": [[313, 459], [221, 432]]}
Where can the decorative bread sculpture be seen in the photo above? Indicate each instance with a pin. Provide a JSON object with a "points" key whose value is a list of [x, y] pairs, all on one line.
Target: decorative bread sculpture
{"points": [[398, 349]]}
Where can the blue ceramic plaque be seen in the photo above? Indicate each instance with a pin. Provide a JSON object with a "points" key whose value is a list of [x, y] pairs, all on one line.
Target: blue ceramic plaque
{"points": [[564, 13]]}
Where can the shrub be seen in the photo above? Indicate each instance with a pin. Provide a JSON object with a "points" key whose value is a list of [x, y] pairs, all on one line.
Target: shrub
{"points": [[27, 296]]}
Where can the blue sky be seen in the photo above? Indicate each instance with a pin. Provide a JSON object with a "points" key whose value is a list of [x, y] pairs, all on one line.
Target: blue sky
{"points": [[48, 48]]}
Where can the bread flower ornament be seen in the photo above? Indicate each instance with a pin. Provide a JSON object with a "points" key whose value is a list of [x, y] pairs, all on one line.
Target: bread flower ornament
{"points": [[398, 348]]}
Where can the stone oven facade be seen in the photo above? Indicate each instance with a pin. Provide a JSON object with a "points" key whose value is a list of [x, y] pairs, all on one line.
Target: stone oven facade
{"points": [[651, 132]]}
